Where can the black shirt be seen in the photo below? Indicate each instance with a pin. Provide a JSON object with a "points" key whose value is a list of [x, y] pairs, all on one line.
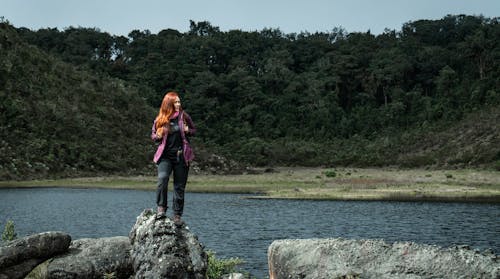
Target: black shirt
{"points": [[174, 140]]}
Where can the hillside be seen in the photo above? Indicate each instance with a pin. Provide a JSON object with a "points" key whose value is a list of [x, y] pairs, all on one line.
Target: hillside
{"points": [[58, 120], [472, 142]]}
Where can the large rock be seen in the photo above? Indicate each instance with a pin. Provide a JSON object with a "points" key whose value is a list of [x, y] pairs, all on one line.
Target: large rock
{"points": [[342, 258], [20, 256], [160, 249], [93, 258]]}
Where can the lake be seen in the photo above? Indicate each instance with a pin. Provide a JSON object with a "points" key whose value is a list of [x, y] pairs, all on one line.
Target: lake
{"points": [[233, 226]]}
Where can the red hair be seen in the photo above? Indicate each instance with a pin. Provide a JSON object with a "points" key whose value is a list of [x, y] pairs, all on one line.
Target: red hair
{"points": [[166, 109]]}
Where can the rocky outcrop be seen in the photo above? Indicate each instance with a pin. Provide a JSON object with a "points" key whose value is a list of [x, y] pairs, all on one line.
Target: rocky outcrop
{"points": [[20, 256], [93, 258], [343, 258], [160, 249], [154, 249]]}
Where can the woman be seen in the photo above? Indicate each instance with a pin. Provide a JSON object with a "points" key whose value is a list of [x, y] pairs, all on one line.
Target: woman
{"points": [[171, 129]]}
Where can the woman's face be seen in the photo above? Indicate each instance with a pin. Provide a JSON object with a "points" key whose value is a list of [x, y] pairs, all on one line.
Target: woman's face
{"points": [[177, 104]]}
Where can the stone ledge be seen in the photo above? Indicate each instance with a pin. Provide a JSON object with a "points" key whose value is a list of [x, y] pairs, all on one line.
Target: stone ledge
{"points": [[368, 258]]}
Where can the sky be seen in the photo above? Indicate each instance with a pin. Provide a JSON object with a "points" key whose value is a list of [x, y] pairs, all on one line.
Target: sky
{"points": [[119, 17]]}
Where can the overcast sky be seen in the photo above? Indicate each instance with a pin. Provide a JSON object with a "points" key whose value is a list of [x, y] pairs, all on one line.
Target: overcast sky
{"points": [[119, 17]]}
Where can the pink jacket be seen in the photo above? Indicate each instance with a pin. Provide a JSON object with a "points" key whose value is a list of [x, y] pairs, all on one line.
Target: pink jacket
{"points": [[186, 147]]}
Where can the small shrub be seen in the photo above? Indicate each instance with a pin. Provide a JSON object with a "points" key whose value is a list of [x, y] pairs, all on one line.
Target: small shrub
{"points": [[9, 232], [330, 173], [449, 176], [110, 275], [219, 267]]}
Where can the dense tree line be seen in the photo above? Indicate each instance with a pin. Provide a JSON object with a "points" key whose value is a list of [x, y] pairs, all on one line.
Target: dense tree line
{"points": [[324, 98]]}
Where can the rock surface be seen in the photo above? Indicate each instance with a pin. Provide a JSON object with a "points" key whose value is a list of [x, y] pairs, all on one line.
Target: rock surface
{"points": [[343, 258], [20, 256], [93, 258], [160, 249]]}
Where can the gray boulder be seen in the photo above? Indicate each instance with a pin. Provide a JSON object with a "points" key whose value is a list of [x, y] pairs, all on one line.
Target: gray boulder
{"points": [[160, 249], [93, 258], [20, 256], [343, 258]]}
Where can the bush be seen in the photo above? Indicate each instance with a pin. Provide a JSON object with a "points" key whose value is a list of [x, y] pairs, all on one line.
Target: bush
{"points": [[219, 267], [330, 173], [9, 232]]}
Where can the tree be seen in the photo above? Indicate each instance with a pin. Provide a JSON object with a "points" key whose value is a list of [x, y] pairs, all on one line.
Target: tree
{"points": [[202, 28], [479, 48], [388, 68], [446, 81]]}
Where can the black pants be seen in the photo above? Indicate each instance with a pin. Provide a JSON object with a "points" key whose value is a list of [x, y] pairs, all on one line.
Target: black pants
{"points": [[165, 168]]}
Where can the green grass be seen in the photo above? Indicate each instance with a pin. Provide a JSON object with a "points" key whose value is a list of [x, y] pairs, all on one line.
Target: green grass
{"points": [[314, 183], [218, 267]]}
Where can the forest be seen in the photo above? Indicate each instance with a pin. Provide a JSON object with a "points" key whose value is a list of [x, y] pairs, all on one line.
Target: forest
{"points": [[80, 101]]}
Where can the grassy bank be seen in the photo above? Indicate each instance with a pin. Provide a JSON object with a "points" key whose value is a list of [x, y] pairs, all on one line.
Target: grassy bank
{"points": [[318, 183]]}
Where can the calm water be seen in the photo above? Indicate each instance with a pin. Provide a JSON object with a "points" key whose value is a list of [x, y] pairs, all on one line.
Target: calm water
{"points": [[236, 227]]}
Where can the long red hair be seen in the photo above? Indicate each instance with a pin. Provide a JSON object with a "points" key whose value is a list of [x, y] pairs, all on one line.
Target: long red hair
{"points": [[166, 109]]}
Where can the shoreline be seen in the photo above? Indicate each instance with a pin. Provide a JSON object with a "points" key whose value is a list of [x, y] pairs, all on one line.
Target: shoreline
{"points": [[263, 196], [430, 199], [346, 184]]}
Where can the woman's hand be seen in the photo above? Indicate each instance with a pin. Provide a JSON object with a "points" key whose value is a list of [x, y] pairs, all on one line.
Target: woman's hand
{"points": [[159, 133], [186, 129]]}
